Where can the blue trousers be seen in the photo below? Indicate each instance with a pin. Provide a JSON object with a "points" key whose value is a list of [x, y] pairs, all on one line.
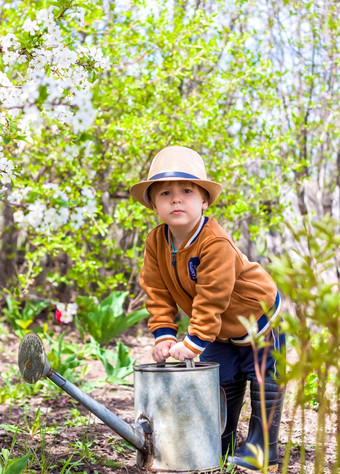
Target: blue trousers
{"points": [[237, 362]]}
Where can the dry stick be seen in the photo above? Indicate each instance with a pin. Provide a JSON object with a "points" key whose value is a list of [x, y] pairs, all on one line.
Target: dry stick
{"points": [[290, 434], [303, 448], [337, 461], [266, 424], [321, 435], [260, 375]]}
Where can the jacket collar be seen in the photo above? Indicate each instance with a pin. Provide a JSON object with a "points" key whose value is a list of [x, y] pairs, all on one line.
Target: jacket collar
{"points": [[193, 234]]}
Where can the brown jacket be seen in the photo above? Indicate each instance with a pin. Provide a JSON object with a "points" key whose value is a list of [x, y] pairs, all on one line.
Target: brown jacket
{"points": [[208, 278]]}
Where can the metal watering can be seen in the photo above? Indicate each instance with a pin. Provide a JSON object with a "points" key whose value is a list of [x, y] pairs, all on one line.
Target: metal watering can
{"points": [[180, 409]]}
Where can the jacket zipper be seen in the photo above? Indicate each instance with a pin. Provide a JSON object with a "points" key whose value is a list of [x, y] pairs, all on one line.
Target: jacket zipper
{"points": [[173, 263]]}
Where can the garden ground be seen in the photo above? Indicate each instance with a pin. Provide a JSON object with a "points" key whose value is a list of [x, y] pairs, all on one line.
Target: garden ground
{"points": [[85, 444]]}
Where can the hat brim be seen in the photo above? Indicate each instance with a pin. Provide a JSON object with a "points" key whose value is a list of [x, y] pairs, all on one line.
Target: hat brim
{"points": [[139, 190]]}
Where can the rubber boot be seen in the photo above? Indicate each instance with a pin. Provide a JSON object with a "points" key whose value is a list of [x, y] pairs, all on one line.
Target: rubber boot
{"points": [[235, 393], [273, 402]]}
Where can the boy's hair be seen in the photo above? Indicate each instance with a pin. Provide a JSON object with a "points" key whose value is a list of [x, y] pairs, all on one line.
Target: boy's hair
{"points": [[151, 191]]}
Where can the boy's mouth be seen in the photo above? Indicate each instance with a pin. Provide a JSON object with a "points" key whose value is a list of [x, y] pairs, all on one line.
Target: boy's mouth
{"points": [[177, 211]]}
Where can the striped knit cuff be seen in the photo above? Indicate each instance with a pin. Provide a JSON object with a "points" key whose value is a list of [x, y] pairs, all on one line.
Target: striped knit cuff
{"points": [[195, 344], [165, 334]]}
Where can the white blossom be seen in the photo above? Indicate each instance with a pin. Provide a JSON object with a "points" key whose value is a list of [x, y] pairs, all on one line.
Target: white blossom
{"points": [[65, 57], [10, 57], [77, 218], [69, 98], [4, 81], [91, 203], [61, 113], [96, 54], [69, 102], [80, 77], [30, 91], [81, 14], [6, 170], [30, 26], [63, 215], [35, 214], [72, 308], [85, 115], [88, 193], [44, 16], [9, 41], [91, 206], [67, 312], [18, 195], [33, 117], [58, 193], [19, 216]]}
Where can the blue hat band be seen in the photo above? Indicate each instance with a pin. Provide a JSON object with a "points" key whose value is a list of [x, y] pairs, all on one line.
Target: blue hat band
{"points": [[173, 174]]}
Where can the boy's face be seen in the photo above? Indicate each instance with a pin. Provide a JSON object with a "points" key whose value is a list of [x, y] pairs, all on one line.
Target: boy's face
{"points": [[179, 204]]}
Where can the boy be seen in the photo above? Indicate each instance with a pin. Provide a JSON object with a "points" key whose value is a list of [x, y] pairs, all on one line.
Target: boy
{"points": [[192, 263]]}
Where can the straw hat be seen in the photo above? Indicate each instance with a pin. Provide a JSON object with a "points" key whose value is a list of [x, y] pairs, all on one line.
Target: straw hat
{"points": [[176, 163]]}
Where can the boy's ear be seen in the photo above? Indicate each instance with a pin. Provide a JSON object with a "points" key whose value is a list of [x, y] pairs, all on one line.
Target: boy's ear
{"points": [[205, 204]]}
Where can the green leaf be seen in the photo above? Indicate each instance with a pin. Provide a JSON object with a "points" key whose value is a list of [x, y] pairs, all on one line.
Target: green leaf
{"points": [[23, 323], [107, 320], [115, 302], [36, 422], [17, 465], [117, 364]]}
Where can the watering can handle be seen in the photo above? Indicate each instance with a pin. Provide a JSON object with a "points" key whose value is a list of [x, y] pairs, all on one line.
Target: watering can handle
{"points": [[189, 363], [223, 409]]}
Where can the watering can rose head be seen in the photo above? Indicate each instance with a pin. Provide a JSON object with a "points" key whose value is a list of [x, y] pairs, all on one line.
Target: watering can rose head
{"points": [[65, 313]]}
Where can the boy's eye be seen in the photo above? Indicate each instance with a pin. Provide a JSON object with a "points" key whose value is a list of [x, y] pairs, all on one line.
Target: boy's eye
{"points": [[187, 190], [164, 193]]}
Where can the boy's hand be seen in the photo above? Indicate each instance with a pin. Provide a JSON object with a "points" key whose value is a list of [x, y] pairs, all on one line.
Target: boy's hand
{"points": [[180, 352], [161, 350]]}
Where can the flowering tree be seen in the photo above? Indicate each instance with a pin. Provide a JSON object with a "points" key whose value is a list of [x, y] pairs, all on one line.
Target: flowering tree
{"points": [[46, 92], [88, 95]]}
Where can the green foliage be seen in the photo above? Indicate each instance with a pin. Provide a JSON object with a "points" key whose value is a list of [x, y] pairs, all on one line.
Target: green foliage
{"points": [[183, 325], [17, 392], [162, 84], [22, 318], [75, 418], [118, 364], [258, 100], [311, 390], [31, 429], [12, 466], [107, 319], [307, 276], [56, 356]]}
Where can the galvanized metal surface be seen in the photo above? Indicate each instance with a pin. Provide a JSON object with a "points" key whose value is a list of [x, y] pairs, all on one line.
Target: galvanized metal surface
{"points": [[183, 406], [178, 414]]}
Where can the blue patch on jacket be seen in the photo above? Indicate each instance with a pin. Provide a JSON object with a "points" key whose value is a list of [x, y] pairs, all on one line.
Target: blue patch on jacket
{"points": [[192, 267]]}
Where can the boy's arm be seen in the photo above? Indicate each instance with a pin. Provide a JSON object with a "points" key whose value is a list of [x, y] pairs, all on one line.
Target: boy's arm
{"points": [[159, 302]]}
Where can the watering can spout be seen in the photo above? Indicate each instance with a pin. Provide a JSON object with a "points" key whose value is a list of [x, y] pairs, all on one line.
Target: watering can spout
{"points": [[33, 365]]}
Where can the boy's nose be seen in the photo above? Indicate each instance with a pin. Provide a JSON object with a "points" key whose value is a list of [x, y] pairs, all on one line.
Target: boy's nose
{"points": [[176, 197]]}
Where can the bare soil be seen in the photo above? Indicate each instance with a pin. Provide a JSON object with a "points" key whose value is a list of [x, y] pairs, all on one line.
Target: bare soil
{"points": [[108, 453]]}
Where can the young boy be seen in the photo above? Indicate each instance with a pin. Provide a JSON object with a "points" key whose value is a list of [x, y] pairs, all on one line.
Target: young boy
{"points": [[190, 262]]}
